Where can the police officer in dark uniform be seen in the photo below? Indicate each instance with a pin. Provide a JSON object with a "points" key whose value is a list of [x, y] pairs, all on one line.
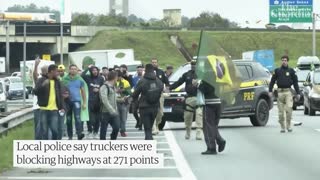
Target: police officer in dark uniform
{"points": [[211, 118], [191, 107], [285, 77], [162, 76]]}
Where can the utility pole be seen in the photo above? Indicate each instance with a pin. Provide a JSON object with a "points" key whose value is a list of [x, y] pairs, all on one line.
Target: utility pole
{"points": [[7, 48], [61, 42], [314, 18], [24, 62]]}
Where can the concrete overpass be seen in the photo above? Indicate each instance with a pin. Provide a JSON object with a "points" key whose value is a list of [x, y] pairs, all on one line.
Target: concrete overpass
{"points": [[45, 44]]}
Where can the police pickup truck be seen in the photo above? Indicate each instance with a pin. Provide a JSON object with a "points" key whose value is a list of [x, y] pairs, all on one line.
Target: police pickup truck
{"points": [[251, 101]]}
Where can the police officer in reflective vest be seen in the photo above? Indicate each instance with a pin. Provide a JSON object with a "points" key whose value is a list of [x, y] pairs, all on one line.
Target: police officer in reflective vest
{"points": [[285, 77], [190, 102]]}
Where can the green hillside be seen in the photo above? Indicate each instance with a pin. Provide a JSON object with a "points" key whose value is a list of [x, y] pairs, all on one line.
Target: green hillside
{"points": [[148, 44], [296, 44]]}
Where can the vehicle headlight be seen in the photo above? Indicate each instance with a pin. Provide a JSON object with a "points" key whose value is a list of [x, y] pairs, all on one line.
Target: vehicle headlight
{"points": [[314, 94]]}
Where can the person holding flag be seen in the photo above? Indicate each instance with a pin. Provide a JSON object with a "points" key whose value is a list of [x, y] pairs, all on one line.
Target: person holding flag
{"points": [[218, 83]]}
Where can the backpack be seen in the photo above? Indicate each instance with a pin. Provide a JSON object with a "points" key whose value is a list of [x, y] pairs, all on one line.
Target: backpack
{"points": [[153, 91]]}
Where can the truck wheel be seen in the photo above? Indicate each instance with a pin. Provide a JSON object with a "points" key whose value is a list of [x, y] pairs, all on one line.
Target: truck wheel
{"points": [[261, 116], [2, 109], [306, 110], [162, 124]]}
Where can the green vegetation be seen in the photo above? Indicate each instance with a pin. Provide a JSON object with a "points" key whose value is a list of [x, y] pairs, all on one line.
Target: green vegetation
{"points": [[146, 45], [295, 44], [23, 132]]}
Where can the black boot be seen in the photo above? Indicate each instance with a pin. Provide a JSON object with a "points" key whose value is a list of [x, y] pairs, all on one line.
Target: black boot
{"points": [[209, 152], [221, 146], [80, 136]]}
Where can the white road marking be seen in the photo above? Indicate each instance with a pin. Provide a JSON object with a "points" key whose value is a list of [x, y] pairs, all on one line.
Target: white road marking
{"points": [[179, 158], [317, 130], [181, 164], [92, 178]]}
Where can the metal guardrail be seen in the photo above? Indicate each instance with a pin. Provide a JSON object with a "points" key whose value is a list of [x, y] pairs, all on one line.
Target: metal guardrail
{"points": [[14, 119]]}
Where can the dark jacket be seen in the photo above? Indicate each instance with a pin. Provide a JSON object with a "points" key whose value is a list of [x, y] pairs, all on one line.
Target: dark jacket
{"points": [[285, 77], [92, 82], [187, 79], [42, 90], [142, 88], [209, 93], [162, 76]]}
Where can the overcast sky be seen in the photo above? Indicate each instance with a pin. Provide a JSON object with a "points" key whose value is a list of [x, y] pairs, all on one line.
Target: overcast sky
{"points": [[235, 10]]}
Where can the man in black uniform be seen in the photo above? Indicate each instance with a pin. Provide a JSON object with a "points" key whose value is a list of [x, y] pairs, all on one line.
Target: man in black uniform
{"points": [[285, 77], [191, 101], [150, 89], [162, 76], [211, 114]]}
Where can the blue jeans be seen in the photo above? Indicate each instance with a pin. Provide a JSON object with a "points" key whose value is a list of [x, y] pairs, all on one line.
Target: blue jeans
{"points": [[114, 122], [75, 108], [123, 114], [37, 125], [61, 127], [49, 120]]}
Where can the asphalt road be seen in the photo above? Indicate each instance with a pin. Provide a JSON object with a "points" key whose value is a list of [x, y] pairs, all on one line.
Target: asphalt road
{"points": [[251, 153]]}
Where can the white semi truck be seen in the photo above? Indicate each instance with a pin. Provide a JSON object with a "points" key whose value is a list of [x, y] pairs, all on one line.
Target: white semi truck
{"points": [[105, 58]]}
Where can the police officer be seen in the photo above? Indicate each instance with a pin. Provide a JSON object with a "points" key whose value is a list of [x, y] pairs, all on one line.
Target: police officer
{"points": [[190, 102], [212, 111], [285, 77], [162, 76]]}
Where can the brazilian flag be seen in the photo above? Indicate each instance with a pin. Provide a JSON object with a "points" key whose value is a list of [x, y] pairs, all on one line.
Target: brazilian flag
{"points": [[215, 67]]}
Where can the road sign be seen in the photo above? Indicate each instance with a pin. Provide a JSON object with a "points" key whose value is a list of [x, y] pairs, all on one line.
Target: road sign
{"points": [[46, 57], [291, 11]]}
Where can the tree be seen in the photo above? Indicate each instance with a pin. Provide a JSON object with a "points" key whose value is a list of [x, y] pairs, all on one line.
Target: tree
{"points": [[185, 21], [112, 20], [82, 19], [134, 19], [211, 20]]}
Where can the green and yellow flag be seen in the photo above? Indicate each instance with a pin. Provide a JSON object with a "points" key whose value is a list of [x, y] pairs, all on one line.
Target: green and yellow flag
{"points": [[215, 67]]}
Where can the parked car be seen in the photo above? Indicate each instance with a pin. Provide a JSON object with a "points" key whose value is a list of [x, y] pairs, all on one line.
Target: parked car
{"points": [[305, 62], [16, 74], [311, 93], [3, 98], [11, 79], [15, 91], [251, 101], [302, 76]]}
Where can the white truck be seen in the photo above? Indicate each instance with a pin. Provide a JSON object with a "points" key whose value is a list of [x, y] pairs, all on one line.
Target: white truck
{"points": [[2, 64], [105, 58]]}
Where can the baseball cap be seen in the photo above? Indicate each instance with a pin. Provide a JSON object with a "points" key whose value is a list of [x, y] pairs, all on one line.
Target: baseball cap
{"points": [[61, 67]]}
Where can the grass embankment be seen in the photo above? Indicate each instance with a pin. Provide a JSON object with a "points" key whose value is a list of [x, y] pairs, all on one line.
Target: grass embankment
{"points": [[23, 132], [146, 45], [296, 44]]}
